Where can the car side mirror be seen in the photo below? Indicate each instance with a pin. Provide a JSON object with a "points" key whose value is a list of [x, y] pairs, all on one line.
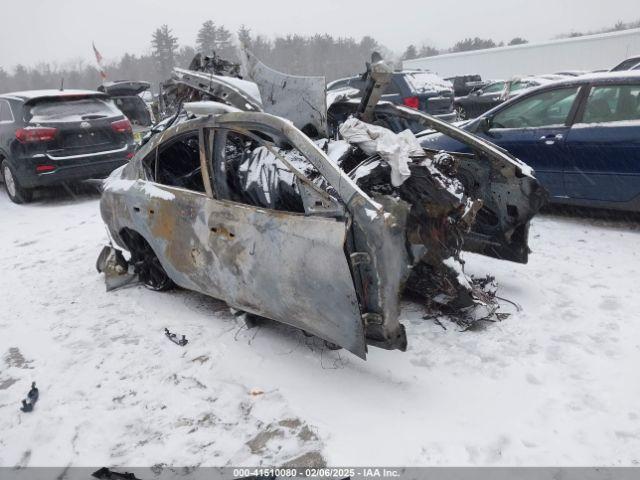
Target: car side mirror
{"points": [[484, 125]]}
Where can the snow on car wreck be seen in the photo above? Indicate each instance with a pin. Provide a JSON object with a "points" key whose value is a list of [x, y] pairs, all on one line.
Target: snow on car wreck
{"points": [[324, 235]]}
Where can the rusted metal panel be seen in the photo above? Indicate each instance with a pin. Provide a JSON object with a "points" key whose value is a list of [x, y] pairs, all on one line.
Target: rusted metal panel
{"points": [[283, 266], [218, 87], [301, 99]]}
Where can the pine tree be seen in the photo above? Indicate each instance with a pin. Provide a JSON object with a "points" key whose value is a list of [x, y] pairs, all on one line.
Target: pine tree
{"points": [[164, 47], [206, 39], [244, 36], [518, 41], [428, 51], [410, 53], [184, 56], [223, 42]]}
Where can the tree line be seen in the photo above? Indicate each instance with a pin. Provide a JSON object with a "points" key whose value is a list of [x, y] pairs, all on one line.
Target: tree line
{"points": [[464, 45], [320, 54], [477, 43]]}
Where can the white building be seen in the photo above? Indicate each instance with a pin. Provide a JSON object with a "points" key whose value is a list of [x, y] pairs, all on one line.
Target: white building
{"points": [[592, 52]]}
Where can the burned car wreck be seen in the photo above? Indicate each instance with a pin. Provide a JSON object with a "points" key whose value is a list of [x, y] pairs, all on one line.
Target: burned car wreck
{"points": [[319, 221]]}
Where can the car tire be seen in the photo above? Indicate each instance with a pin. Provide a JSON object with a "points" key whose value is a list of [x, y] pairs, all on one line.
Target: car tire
{"points": [[17, 193], [461, 113], [146, 263]]}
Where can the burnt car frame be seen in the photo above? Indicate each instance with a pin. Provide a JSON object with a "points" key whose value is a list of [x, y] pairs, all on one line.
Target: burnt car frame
{"points": [[269, 214], [336, 270], [286, 266]]}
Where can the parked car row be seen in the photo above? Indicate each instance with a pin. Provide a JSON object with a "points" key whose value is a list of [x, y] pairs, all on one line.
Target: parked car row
{"points": [[581, 135], [498, 91], [474, 97], [631, 63]]}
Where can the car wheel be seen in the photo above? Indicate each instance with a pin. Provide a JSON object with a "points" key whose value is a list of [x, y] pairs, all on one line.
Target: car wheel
{"points": [[146, 264], [17, 194], [461, 113]]}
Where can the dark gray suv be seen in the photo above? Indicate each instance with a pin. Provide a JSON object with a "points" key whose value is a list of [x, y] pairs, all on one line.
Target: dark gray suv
{"points": [[417, 89], [49, 137]]}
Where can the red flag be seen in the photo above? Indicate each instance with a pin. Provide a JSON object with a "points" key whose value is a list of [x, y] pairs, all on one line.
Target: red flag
{"points": [[103, 75]]}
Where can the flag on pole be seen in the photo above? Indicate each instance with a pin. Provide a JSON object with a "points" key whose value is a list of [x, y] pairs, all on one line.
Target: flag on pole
{"points": [[103, 75]]}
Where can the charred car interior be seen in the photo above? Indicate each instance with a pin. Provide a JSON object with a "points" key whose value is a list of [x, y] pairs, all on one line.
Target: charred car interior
{"points": [[316, 212]]}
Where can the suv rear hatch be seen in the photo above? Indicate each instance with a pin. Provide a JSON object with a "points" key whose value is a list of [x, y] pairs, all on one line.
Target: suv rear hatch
{"points": [[126, 96], [434, 95], [73, 126]]}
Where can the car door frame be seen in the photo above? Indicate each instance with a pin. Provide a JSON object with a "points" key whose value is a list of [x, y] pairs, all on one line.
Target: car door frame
{"points": [[538, 138], [341, 320], [570, 166]]}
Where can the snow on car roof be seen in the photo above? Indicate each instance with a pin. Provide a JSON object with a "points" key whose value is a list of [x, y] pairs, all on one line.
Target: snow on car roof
{"points": [[589, 77], [631, 74], [421, 81]]}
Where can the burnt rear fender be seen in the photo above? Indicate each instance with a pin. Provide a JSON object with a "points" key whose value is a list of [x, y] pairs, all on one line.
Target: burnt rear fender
{"points": [[509, 202]]}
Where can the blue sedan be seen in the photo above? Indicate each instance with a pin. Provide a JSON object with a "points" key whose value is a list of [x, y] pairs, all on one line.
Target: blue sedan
{"points": [[580, 135]]}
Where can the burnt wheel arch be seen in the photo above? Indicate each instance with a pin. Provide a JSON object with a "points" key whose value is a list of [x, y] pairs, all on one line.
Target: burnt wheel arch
{"points": [[145, 261]]}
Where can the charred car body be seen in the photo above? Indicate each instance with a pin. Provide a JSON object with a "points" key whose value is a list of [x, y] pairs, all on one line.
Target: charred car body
{"points": [[321, 234]]}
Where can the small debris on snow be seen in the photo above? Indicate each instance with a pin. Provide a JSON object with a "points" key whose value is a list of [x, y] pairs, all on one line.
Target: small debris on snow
{"points": [[32, 398], [174, 338]]}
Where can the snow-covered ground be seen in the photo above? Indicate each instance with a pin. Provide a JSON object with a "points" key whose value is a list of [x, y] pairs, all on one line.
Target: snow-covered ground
{"points": [[555, 384]]}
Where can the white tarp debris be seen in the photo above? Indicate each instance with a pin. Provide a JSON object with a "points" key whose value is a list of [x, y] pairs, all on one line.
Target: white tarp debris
{"points": [[394, 148]]}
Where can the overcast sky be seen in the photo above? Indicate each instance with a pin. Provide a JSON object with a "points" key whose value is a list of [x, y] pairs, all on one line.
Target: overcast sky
{"points": [[62, 31]]}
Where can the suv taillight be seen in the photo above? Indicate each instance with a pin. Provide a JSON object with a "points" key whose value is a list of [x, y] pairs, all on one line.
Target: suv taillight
{"points": [[412, 102], [36, 134], [121, 126]]}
